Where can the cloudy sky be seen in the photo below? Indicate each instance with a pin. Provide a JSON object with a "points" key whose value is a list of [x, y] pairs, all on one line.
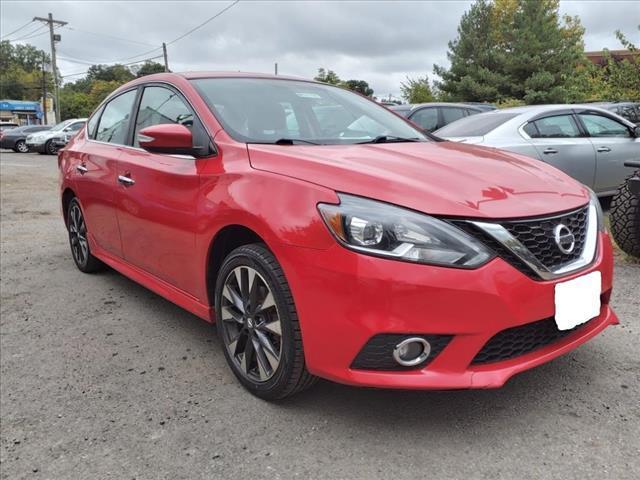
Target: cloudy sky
{"points": [[378, 41]]}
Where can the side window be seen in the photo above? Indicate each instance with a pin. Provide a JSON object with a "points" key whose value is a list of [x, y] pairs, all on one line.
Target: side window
{"points": [[451, 114], [160, 105], [531, 130], [427, 118], [630, 113], [114, 121], [599, 126], [558, 126], [74, 127]]}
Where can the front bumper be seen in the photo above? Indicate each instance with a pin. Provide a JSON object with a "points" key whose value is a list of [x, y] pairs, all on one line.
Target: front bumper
{"points": [[343, 299], [36, 146]]}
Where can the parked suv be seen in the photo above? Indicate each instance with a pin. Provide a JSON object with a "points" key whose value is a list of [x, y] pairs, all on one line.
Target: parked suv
{"points": [[328, 237], [43, 142], [15, 138]]}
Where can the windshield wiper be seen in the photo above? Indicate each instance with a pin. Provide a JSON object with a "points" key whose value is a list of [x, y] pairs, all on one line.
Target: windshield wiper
{"points": [[291, 141], [390, 139]]}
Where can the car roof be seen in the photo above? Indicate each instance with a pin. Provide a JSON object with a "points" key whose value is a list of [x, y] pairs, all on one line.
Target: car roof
{"points": [[414, 106]]}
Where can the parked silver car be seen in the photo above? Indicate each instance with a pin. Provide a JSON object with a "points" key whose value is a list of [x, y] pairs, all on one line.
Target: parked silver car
{"points": [[588, 143], [42, 142]]}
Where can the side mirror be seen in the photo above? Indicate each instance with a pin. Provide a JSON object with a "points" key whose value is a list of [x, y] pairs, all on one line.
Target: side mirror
{"points": [[169, 138]]}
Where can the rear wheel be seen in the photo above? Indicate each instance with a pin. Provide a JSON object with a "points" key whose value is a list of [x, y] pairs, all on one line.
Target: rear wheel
{"points": [[78, 241], [21, 147], [625, 219], [258, 324]]}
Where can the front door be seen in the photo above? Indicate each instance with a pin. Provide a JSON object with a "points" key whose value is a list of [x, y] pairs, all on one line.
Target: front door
{"points": [[157, 197]]}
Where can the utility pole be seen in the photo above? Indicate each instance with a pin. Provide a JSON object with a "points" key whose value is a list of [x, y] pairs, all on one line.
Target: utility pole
{"points": [[44, 90], [276, 68], [50, 21], [164, 53]]}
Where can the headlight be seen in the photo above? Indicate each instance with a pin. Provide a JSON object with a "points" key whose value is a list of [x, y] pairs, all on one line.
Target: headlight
{"points": [[380, 229], [595, 202]]}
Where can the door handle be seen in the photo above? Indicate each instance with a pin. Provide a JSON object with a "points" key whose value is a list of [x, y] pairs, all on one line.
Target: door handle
{"points": [[82, 169], [126, 181], [603, 149], [548, 151]]}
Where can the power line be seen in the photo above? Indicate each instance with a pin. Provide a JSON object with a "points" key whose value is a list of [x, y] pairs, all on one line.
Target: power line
{"points": [[17, 29], [123, 64], [204, 23], [24, 35], [42, 30]]}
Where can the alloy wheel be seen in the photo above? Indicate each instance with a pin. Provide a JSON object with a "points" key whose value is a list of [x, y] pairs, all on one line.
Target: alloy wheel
{"points": [[251, 324], [78, 235], [51, 148], [22, 147]]}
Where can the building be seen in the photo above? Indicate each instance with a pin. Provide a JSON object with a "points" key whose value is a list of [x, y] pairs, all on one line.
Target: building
{"points": [[21, 112], [599, 58]]}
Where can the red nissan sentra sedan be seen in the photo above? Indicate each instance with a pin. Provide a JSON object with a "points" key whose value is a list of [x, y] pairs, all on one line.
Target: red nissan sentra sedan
{"points": [[327, 237]]}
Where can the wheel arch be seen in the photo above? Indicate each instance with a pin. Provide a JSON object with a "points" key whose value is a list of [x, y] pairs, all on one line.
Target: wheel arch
{"points": [[67, 196], [224, 242]]}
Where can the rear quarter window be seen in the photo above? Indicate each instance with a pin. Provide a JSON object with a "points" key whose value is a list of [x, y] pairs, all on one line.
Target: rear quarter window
{"points": [[476, 125]]}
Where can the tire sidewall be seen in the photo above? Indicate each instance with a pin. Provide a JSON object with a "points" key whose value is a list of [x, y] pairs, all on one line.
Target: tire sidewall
{"points": [[244, 257], [72, 203], [49, 148], [17, 147]]}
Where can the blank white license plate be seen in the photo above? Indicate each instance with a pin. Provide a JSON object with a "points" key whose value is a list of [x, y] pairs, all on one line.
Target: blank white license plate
{"points": [[578, 300]]}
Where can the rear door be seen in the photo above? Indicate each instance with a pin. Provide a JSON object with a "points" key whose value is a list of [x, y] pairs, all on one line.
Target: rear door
{"points": [[560, 142], [95, 170], [157, 196], [614, 145], [451, 114]]}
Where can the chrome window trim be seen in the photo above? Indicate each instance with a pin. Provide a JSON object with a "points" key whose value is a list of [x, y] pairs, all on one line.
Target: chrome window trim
{"points": [[502, 235]]}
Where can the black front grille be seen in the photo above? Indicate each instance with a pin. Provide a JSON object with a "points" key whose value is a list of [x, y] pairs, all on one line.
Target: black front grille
{"points": [[538, 237], [377, 354], [516, 341]]}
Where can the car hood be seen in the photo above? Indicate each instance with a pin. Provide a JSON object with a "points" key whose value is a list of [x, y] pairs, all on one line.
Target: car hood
{"points": [[440, 178]]}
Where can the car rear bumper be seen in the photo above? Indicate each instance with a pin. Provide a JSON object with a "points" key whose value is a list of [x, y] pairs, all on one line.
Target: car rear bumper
{"points": [[344, 299]]}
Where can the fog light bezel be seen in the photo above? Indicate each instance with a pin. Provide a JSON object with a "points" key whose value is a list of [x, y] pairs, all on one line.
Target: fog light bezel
{"points": [[426, 351]]}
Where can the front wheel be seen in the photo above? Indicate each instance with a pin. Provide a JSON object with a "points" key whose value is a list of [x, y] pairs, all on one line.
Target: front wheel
{"points": [[625, 219], [78, 241], [258, 324], [21, 147]]}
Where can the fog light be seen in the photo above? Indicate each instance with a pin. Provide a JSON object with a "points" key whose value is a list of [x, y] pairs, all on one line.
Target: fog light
{"points": [[411, 351]]}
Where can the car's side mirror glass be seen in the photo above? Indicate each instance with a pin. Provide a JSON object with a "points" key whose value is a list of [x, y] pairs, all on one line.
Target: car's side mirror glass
{"points": [[168, 138]]}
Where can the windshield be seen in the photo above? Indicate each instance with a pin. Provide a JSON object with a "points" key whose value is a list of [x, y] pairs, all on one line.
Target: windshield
{"points": [[476, 125], [60, 126], [255, 110]]}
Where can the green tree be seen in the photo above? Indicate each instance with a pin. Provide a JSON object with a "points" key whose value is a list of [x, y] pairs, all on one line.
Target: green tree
{"points": [[110, 73], [476, 72], [513, 49], [149, 68], [417, 90], [359, 86], [327, 76], [21, 72]]}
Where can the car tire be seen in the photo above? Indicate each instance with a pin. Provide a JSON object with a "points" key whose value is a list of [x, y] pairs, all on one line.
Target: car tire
{"points": [[78, 240], [50, 148], [261, 342], [624, 218], [21, 147]]}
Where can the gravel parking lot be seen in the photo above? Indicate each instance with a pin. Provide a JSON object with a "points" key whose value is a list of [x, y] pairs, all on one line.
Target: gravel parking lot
{"points": [[100, 378]]}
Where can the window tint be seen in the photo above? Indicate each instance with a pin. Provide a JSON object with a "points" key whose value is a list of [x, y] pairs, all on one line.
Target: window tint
{"points": [[558, 126], [476, 125], [160, 105], [630, 113], [450, 114], [531, 130], [599, 126], [114, 121], [427, 118]]}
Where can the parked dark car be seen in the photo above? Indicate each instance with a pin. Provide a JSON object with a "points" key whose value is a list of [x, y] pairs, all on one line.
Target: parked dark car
{"points": [[628, 110], [15, 138], [7, 126], [432, 116]]}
